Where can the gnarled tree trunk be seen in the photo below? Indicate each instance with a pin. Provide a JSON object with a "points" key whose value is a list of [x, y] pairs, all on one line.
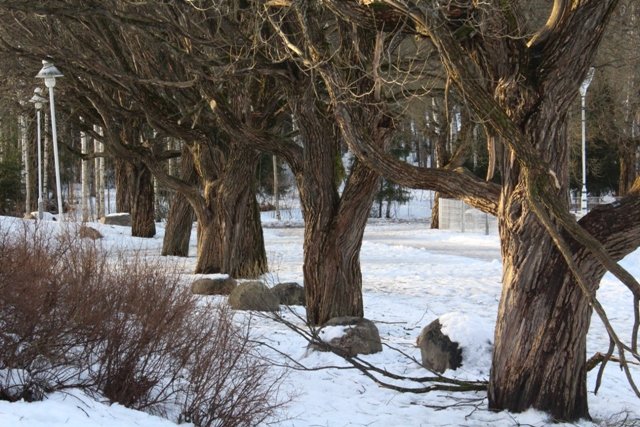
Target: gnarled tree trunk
{"points": [[332, 242], [229, 229], [334, 224], [238, 216], [543, 313]]}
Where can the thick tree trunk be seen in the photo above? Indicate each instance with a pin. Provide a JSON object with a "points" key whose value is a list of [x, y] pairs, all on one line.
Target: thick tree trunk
{"points": [[229, 229], [180, 220], [231, 242], [208, 258], [238, 216], [332, 242], [543, 313], [545, 316], [334, 224], [142, 200]]}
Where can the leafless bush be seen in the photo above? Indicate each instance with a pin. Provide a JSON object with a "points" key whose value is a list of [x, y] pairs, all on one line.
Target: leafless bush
{"points": [[224, 386], [124, 327], [40, 342]]}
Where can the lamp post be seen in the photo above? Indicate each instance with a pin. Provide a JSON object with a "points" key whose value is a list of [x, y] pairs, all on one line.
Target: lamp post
{"points": [[49, 73], [38, 101], [583, 94]]}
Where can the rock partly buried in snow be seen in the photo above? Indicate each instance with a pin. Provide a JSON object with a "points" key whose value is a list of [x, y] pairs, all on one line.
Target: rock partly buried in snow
{"points": [[438, 352], [289, 293], [253, 295], [213, 286], [87, 232], [350, 336], [123, 219]]}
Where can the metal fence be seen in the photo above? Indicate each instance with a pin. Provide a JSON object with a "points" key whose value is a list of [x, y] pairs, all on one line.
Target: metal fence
{"points": [[458, 216]]}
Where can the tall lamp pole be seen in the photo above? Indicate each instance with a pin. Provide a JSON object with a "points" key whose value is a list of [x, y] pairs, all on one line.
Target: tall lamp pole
{"points": [[49, 73], [583, 94], [38, 101]]}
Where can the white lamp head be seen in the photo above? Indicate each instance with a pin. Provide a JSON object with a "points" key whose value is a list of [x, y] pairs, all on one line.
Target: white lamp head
{"points": [[37, 99], [587, 81], [49, 72]]}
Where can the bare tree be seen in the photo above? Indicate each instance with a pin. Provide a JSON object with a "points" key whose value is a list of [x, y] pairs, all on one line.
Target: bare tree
{"points": [[522, 87], [138, 76]]}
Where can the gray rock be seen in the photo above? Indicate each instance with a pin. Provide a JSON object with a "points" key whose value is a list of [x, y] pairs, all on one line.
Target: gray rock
{"points": [[438, 352], [123, 219], [87, 232], [360, 336], [289, 293], [213, 286], [253, 295]]}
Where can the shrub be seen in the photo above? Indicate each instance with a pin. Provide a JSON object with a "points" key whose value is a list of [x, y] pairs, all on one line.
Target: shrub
{"points": [[124, 327]]}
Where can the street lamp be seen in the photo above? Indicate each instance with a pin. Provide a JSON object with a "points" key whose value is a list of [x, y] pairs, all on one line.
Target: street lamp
{"points": [[583, 94], [49, 73], [38, 101]]}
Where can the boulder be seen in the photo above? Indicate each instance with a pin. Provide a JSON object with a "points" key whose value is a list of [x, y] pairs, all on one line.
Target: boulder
{"points": [[253, 295], [213, 286], [289, 293], [438, 352], [350, 336], [123, 219], [87, 232]]}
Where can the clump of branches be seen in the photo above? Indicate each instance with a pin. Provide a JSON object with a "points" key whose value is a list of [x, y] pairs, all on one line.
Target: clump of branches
{"points": [[380, 376], [123, 327]]}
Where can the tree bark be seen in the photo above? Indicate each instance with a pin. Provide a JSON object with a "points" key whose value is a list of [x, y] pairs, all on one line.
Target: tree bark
{"points": [[238, 216], [545, 315], [548, 369], [334, 224], [524, 90], [142, 200], [229, 229], [628, 171], [123, 198], [441, 159], [332, 274], [180, 220]]}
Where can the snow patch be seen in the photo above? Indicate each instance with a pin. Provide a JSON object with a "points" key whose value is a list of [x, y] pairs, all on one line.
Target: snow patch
{"points": [[329, 333], [474, 335]]}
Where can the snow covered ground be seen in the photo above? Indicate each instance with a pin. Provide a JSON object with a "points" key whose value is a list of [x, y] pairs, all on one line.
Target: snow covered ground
{"points": [[411, 275]]}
